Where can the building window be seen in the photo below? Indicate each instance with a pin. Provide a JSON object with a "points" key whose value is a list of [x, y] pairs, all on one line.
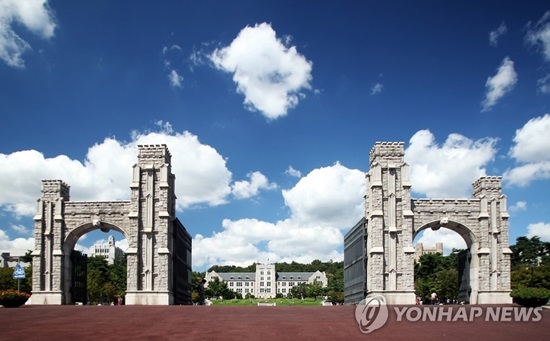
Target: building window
{"points": [[230, 284], [261, 284], [239, 284], [284, 290], [269, 278], [283, 284], [268, 284]]}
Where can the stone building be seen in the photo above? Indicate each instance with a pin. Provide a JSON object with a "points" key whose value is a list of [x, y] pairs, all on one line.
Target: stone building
{"points": [[158, 258], [420, 250], [379, 252], [9, 261], [108, 250], [266, 282]]}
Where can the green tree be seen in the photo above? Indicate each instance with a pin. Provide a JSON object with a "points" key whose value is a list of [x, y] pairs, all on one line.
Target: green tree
{"points": [[117, 276], [97, 277], [299, 291], [217, 288], [8, 282], [437, 273], [530, 251]]}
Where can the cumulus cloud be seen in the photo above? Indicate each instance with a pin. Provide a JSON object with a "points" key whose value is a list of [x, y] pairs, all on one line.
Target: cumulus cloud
{"points": [[34, 15], [268, 72], [21, 229], [17, 246], [175, 79], [500, 84], [538, 35], [376, 89], [246, 189], [450, 239], [531, 152], [496, 34], [447, 170], [543, 85], [518, 206], [541, 230], [322, 204], [105, 174], [293, 172]]}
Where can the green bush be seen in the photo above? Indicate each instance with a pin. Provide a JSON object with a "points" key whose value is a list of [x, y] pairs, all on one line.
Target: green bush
{"points": [[530, 297]]}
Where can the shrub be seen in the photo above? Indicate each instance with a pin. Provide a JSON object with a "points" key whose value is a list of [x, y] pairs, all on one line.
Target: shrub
{"points": [[530, 297]]}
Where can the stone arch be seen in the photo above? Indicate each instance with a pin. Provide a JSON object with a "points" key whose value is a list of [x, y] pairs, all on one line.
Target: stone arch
{"points": [[392, 220], [467, 234], [159, 253]]}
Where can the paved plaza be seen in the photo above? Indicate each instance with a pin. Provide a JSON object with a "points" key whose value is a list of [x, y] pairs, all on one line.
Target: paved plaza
{"points": [[33, 322]]}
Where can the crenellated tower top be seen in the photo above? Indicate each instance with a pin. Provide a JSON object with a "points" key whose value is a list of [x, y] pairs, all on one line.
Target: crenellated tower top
{"points": [[54, 189], [488, 185], [155, 153], [393, 152]]}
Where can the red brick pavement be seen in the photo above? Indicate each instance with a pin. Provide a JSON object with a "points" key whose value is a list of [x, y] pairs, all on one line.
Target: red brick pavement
{"points": [[245, 323]]}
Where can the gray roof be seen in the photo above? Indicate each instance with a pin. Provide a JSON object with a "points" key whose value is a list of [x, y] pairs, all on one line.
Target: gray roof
{"points": [[232, 276], [282, 276], [293, 276]]}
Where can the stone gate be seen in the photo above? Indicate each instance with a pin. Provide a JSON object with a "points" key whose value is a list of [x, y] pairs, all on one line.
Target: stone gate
{"points": [[159, 248], [379, 252]]}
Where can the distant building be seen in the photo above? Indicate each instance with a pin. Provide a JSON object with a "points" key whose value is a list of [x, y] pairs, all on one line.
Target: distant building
{"points": [[8, 261], [420, 250], [109, 251], [266, 282]]}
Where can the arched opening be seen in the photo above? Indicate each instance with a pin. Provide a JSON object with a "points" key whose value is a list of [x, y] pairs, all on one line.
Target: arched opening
{"points": [[453, 275], [102, 240]]}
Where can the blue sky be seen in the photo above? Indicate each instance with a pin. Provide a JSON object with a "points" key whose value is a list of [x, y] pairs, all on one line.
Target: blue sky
{"points": [[270, 110]]}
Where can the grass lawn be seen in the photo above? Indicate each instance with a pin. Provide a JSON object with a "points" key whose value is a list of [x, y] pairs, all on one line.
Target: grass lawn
{"points": [[278, 301]]}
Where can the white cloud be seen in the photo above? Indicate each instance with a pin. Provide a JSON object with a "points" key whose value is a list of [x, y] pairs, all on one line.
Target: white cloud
{"points": [[246, 189], [34, 15], [105, 174], [21, 229], [447, 171], [518, 206], [293, 172], [16, 247], [175, 79], [539, 35], [496, 34], [322, 204], [543, 85], [541, 230], [531, 151], [267, 72], [500, 84], [376, 89], [450, 239]]}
